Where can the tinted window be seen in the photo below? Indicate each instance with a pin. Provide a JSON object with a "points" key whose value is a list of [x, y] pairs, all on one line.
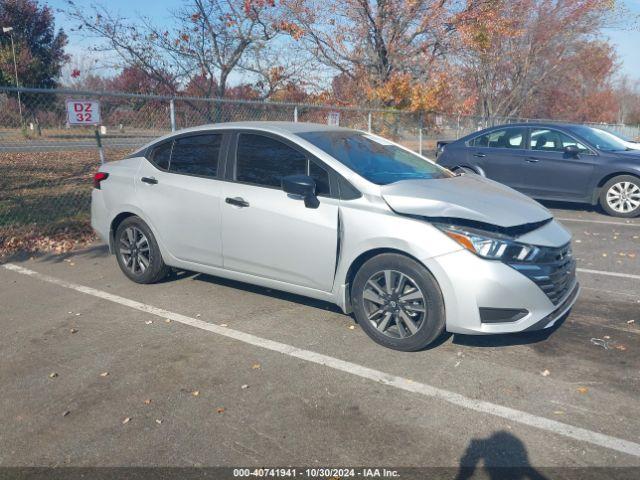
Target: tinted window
{"points": [[549, 140], [160, 155], [321, 177], [374, 158], [196, 155], [264, 161], [503, 138]]}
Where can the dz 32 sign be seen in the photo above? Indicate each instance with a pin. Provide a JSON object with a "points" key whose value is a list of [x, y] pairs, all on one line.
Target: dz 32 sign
{"points": [[83, 112]]}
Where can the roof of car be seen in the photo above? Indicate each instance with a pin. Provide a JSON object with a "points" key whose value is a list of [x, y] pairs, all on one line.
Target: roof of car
{"points": [[521, 124], [288, 127]]}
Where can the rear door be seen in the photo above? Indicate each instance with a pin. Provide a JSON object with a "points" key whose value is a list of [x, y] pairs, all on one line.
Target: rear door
{"points": [[266, 232], [499, 153], [551, 173], [179, 190]]}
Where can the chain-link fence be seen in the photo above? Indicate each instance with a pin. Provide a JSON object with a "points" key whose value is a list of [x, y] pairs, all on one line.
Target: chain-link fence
{"points": [[46, 164]]}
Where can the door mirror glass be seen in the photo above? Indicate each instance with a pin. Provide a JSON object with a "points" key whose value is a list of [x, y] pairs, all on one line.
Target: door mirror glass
{"points": [[303, 186]]}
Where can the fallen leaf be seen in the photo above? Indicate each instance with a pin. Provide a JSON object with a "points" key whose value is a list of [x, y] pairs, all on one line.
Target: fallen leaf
{"points": [[78, 314], [244, 387], [195, 393], [256, 366], [126, 420], [74, 330], [53, 375], [352, 327], [158, 421], [148, 322], [604, 254], [147, 401], [622, 348], [224, 325], [545, 373], [198, 315], [65, 413], [220, 410], [606, 337], [104, 374], [168, 320], [582, 390], [631, 255], [630, 321]]}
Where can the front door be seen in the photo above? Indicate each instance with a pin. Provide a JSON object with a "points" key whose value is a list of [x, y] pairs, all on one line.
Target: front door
{"points": [[271, 234], [552, 173]]}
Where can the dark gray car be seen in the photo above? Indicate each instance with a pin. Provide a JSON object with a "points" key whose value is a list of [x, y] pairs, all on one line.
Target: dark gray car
{"points": [[571, 163]]}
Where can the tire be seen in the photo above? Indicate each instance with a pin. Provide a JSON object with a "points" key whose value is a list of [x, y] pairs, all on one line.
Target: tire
{"points": [[407, 328], [620, 196], [144, 264]]}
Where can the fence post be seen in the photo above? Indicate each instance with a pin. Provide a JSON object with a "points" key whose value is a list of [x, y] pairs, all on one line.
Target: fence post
{"points": [[172, 114], [369, 122], [295, 114]]}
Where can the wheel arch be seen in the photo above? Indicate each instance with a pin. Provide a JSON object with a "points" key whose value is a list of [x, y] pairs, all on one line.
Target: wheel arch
{"points": [[361, 259], [596, 193], [115, 223]]}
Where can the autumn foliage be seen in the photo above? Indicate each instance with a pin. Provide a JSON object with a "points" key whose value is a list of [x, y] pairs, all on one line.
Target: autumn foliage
{"points": [[491, 58]]}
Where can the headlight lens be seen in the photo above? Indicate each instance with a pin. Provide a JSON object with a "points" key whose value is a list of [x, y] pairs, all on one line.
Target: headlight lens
{"points": [[489, 245]]}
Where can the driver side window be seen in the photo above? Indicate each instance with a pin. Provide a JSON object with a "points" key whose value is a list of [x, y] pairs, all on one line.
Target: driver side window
{"points": [[550, 140]]}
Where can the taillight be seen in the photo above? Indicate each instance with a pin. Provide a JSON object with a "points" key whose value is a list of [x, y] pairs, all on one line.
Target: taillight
{"points": [[99, 177]]}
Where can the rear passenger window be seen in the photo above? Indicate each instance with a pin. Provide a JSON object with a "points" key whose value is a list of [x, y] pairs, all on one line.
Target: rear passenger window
{"points": [[504, 138], [196, 155], [264, 161], [161, 154]]}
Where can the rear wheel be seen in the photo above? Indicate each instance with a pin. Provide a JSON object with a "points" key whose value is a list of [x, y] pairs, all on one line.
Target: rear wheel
{"points": [[620, 196], [138, 253], [397, 302]]}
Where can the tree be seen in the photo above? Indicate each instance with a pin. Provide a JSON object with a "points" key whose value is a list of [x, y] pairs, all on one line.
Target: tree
{"points": [[211, 40], [390, 51], [39, 49], [515, 49]]}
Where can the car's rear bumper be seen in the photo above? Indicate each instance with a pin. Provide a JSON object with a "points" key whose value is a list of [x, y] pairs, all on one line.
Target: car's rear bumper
{"points": [[99, 215], [469, 283]]}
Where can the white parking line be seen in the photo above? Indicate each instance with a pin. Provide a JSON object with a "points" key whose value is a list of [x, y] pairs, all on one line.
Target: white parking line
{"points": [[518, 416], [603, 222], [609, 274]]}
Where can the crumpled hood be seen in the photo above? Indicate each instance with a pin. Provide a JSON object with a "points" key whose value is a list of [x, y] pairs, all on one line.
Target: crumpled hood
{"points": [[470, 197]]}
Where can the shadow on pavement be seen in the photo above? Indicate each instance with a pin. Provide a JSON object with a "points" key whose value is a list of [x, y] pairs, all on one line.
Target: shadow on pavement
{"points": [[503, 456]]}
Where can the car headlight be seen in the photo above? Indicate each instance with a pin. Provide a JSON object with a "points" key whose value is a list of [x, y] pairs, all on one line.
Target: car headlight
{"points": [[492, 246]]}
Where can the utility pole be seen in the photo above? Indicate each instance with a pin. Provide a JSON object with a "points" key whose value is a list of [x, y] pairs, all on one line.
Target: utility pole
{"points": [[9, 30]]}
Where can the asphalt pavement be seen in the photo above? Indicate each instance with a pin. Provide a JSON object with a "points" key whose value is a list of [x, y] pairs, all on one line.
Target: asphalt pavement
{"points": [[201, 371]]}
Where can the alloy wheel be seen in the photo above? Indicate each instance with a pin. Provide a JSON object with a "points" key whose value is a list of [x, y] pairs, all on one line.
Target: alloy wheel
{"points": [[623, 197], [394, 304], [134, 250]]}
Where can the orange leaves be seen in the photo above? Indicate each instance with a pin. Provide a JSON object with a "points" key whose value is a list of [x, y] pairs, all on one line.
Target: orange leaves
{"points": [[403, 92], [291, 28]]}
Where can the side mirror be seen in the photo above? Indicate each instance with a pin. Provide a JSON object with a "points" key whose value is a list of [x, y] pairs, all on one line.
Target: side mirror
{"points": [[302, 186], [572, 150]]}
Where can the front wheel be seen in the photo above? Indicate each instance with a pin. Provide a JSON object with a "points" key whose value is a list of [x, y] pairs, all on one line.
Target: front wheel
{"points": [[620, 196], [398, 303]]}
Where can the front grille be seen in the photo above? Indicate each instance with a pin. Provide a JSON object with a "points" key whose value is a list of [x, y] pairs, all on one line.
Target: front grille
{"points": [[554, 271]]}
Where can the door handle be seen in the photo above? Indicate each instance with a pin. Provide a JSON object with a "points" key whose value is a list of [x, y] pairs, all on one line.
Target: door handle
{"points": [[478, 154], [532, 159], [237, 201], [149, 180]]}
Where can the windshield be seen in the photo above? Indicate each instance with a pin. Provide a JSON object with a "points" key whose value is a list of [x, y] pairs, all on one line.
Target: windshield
{"points": [[616, 134], [599, 139], [378, 160]]}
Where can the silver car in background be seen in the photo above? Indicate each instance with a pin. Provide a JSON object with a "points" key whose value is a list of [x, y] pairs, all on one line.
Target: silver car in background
{"points": [[343, 216]]}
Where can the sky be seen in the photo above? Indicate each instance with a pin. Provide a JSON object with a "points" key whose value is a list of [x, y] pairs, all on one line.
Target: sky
{"points": [[626, 42]]}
